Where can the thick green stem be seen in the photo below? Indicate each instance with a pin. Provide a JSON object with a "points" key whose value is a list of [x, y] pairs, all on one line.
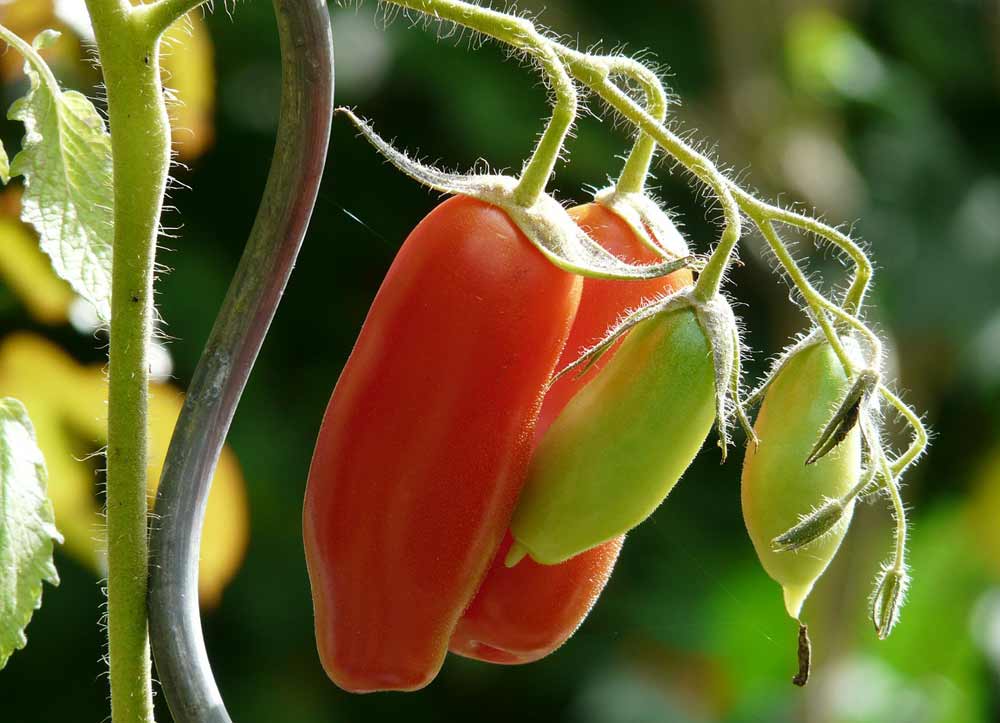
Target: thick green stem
{"points": [[159, 16], [140, 138]]}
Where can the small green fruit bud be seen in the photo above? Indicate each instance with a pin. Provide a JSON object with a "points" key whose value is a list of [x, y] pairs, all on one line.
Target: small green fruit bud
{"points": [[810, 528], [890, 590]]}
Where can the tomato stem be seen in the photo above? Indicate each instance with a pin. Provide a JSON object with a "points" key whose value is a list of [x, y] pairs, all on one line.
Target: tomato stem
{"points": [[140, 141], [162, 14], [920, 436], [636, 170], [520, 34]]}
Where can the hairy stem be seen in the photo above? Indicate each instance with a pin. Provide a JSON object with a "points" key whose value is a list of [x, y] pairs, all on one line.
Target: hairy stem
{"points": [[636, 170], [520, 34], [591, 73], [159, 16], [809, 294], [920, 436], [140, 139]]}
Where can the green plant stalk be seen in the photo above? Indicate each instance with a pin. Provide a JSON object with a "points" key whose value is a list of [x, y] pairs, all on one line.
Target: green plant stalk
{"points": [[855, 295], [811, 296], [641, 157], [521, 34], [159, 16], [128, 47], [920, 436], [636, 170], [590, 73]]}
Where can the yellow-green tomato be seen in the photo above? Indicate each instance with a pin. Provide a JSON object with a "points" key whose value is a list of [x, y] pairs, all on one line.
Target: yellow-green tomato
{"points": [[779, 488], [621, 444]]}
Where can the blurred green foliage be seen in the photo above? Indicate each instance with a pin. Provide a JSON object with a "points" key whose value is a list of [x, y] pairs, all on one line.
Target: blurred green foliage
{"points": [[882, 116]]}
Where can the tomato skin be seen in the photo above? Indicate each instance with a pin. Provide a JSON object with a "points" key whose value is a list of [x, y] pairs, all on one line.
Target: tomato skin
{"points": [[778, 487], [425, 441], [522, 614], [603, 303], [622, 443]]}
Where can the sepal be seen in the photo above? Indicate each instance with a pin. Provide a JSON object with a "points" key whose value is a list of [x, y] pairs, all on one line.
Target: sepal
{"points": [[546, 223]]}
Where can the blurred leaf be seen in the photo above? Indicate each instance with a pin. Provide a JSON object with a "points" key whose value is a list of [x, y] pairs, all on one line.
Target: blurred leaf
{"points": [[827, 56], [27, 528], [26, 270], [66, 163], [931, 649], [982, 510], [189, 74], [624, 695], [69, 405], [24, 18]]}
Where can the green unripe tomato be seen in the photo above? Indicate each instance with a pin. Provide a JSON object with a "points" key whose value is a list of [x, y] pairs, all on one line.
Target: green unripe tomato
{"points": [[622, 443], [779, 488]]}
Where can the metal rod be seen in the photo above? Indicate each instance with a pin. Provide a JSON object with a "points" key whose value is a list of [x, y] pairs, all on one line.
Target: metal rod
{"points": [[282, 219]]}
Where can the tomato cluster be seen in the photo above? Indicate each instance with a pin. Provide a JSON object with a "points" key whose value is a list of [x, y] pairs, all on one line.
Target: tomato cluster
{"points": [[427, 441], [465, 497]]}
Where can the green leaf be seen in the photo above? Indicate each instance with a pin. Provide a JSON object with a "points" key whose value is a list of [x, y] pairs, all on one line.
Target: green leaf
{"points": [[66, 163], [45, 39], [27, 527]]}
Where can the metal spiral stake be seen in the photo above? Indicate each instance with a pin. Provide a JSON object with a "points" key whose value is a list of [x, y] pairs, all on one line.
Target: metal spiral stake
{"points": [[284, 213]]}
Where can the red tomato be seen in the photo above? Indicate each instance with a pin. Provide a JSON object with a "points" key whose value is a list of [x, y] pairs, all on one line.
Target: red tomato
{"points": [[523, 613], [425, 442]]}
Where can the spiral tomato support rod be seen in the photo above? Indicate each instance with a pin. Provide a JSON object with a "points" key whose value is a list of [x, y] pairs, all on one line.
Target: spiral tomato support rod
{"points": [[282, 219]]}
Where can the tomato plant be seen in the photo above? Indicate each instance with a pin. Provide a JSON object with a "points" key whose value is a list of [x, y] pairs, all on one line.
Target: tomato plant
{"points": [[448, 404]]}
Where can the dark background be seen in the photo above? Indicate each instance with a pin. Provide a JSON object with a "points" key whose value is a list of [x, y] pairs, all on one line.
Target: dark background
{"points": [[881, 115]]}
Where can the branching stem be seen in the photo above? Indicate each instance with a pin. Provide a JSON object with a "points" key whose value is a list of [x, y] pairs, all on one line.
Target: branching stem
{"points": [[140, 140], [160, 15], [520, 34]]}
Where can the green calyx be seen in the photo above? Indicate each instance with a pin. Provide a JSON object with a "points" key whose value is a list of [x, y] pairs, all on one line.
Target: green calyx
{"points": [[547, 225]]}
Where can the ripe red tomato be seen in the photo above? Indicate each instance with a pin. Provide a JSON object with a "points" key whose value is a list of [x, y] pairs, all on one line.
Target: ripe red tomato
{"points": [[523, 613], [425, 442]]}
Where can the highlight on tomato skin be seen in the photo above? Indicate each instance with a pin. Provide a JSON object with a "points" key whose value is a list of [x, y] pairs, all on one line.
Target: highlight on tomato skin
{"points": [[522, 614], [425, 442]]}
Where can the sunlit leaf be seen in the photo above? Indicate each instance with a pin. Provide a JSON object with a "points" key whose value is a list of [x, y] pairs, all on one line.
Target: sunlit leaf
{"points": [[69, 405], [27, 527], [4, 164], [827, 56], [26, 270], [66, 163], [189, 74]]}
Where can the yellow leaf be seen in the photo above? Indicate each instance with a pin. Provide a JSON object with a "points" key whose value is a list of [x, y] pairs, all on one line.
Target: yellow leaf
{"points": [[189, 72], [982, 509], [26, 19], [26, 269], [68, 405]]}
